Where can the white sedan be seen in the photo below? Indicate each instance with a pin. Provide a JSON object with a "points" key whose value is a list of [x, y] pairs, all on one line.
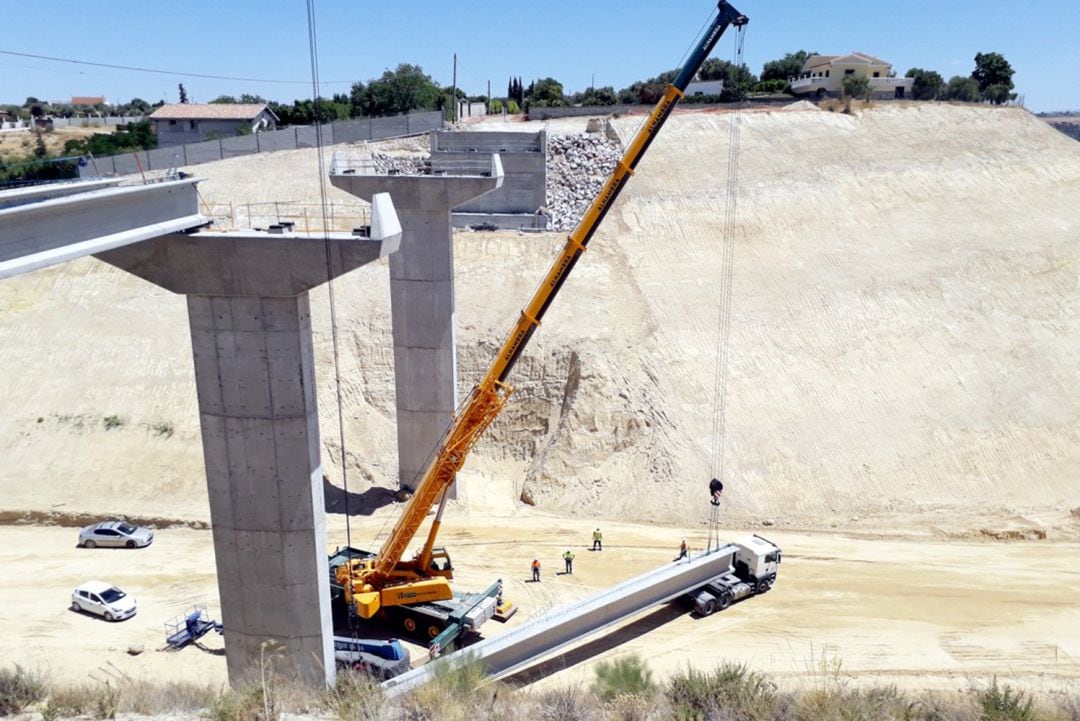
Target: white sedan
{"points": [[115, 534], [103, 599]]}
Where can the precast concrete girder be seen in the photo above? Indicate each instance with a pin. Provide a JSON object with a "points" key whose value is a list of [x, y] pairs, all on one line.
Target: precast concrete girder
{"points": [[52, 230], [561, 627]]}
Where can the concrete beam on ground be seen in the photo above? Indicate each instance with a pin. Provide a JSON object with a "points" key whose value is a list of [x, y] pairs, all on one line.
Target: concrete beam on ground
{"points": [[422, 298], [251, 339], [542, 636], [57, 229]]}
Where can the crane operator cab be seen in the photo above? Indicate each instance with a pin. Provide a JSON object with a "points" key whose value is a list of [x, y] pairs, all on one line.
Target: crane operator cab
{"points": [[440, 563], [757, 561]]}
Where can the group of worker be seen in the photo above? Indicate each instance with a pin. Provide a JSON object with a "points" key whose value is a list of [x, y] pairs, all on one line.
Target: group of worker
{"points": [[568, 556], [716, 489]]}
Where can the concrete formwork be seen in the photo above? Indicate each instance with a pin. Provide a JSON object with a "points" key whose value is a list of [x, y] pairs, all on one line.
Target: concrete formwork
{"points": [[251, 338], [422, 301]]}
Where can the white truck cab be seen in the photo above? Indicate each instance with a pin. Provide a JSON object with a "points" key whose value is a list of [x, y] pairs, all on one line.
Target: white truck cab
{"points": [[752, 571]]}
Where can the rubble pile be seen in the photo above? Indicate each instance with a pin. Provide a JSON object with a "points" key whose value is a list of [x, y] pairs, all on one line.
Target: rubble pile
{"points": [[386, 164], [577, 167]]}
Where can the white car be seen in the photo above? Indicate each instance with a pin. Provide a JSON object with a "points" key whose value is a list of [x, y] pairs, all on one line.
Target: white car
{"points": [[103, 599], [115, 534]]}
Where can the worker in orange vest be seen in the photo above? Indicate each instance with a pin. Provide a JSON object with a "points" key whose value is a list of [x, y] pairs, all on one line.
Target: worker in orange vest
{"points": [[536, 569]]}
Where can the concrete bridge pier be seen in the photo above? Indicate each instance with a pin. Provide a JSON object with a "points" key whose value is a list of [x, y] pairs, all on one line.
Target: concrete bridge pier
{"points": [[251, 339], [422, 297]]}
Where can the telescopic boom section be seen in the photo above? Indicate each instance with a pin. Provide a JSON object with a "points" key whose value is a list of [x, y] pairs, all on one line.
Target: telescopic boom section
{"points": [[487, 399]]}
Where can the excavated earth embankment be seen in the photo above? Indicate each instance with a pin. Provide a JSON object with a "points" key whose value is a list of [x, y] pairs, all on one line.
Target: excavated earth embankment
{"points": [[903, 338]]}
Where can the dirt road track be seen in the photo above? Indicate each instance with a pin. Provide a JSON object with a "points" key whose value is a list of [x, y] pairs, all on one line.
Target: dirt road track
{"points": [[919, 614]]}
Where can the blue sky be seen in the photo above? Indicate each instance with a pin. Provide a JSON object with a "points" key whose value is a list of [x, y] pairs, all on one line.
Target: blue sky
{"points": [[617, 41]]}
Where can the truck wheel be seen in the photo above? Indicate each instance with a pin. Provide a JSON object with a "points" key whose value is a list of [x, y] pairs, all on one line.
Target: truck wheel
{"points": [[762, 586], [409, 624], [708, 607], [725, 601]]}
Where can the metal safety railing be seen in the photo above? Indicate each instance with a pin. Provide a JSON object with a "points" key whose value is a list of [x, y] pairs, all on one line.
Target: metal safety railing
{"points": [[297, 216]]}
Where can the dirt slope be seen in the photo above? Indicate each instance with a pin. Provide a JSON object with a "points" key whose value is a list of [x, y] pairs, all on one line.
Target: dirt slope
{"points": [[903, 339]]}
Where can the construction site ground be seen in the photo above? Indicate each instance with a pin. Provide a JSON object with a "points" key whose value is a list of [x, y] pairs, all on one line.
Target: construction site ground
{"points": [[902, 411], [916, 612]]}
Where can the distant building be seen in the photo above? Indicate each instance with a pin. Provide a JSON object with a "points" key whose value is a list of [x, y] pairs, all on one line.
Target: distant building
{"points": [[704, 87], [192, 123], [823, 75], [78, 100]]}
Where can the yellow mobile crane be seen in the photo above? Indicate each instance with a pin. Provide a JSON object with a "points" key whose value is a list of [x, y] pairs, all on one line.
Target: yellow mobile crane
{"points": [[386, 580]]}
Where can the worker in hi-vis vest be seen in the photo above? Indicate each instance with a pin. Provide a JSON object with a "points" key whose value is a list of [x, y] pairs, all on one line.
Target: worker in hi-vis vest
{"points": [[597, 540]]}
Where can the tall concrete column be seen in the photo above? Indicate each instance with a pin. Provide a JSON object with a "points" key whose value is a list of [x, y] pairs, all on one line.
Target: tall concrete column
{"points": [[422, 300], [254, 372]]}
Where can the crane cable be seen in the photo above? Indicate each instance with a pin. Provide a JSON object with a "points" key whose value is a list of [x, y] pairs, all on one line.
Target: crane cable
{"points": [[313, 50], [723, 322]]}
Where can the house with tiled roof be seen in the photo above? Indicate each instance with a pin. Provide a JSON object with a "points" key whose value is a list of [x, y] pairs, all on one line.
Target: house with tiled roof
{"points": [[823, 75], [192, 123], [82, 100]]}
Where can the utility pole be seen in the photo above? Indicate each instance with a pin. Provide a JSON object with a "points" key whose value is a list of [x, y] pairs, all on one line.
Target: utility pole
{"points": [[487, 105], [454, 120]]}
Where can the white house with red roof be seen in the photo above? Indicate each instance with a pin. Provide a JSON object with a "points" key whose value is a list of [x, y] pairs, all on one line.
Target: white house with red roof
{"points": [[823, 75], [192, 123]]}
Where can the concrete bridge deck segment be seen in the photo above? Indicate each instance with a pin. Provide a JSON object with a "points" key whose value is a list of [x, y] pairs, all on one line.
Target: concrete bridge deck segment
{"points": [[422, 299], [46, 225], [250, 325]]}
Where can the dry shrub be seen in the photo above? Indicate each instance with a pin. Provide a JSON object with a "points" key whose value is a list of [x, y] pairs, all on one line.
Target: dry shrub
{"points": [[566, 704], [356, 697], [19, 688], [628, 675], [731, 691]]}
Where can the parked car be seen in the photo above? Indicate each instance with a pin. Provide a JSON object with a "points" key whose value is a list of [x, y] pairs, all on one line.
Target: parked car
{"points": [[117, 534], [103, 599]]}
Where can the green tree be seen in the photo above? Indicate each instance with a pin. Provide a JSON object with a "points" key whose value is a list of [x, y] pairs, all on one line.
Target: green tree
{"points": [[928, 84], [547, 93], [183, 94], [998, 94], [248, 99], [786, 67], [963, 89], [400, 90], [40, 151], [137, 106], [992, 69], [738, 80], [223, 100], [855, 86]]}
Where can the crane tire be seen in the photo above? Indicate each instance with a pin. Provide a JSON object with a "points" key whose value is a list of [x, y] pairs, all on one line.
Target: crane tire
{"points": [[409, 624], [433, 631]]}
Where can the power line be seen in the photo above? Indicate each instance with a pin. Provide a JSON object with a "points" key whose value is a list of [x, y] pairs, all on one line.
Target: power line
{"points": [[171, 72]]}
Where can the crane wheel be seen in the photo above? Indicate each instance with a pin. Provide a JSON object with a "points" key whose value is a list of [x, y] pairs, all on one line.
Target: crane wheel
{"points": [[409, 624], [433, 631]]}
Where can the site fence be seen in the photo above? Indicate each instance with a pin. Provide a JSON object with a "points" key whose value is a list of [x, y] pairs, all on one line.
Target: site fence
{"points": [[343, 131]]}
